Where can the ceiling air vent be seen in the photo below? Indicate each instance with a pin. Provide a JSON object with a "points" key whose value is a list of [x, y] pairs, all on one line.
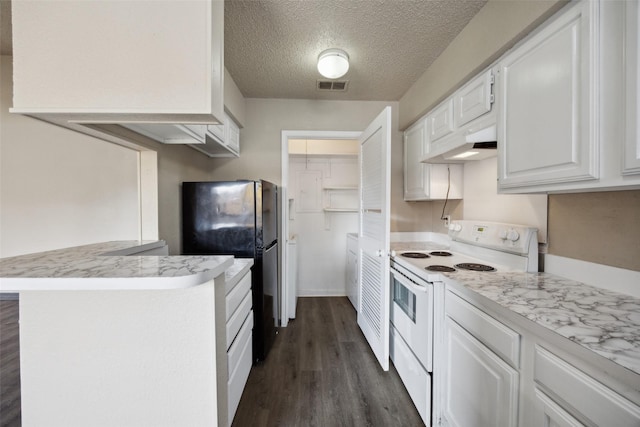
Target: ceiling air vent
{"points": [[333, 85]]}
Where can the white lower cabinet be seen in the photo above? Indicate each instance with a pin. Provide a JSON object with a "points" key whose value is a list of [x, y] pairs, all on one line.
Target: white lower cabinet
{"points": [[239, 358], [414, 376], [577, 395], [352, 269], [234, 343], [481, 389], [496, 368]]}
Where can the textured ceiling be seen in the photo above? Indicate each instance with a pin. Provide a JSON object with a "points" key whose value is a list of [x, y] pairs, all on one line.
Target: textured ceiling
{"points": [[271, 46]]}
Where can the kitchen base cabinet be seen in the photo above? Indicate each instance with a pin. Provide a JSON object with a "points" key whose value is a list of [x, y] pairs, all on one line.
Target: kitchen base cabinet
{"points": [[352, 269], [234, 349], [495, 367], [578, 395], [481, 389]]}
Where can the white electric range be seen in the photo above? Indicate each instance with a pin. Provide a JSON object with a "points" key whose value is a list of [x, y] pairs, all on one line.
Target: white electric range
{"points": [[417, 304]]}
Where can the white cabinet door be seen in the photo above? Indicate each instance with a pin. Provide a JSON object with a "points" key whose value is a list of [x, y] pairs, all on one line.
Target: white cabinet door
{"points": [[549, 103], [374, 236], [415, 148], [480, 388], [474, 99], [426, 181], [631, 160], [440, 122]]}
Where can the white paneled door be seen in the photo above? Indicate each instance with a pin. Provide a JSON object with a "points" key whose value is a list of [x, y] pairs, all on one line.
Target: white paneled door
{"points": [[375, 166]]}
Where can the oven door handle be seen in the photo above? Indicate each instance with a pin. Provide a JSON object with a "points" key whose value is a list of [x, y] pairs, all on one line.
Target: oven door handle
{"points": [[409, 284]]}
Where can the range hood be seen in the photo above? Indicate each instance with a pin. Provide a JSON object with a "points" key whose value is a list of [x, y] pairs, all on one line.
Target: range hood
{"points": [[474, 145]]}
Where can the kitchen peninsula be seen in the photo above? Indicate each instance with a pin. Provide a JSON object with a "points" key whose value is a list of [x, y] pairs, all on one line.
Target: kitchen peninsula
{"points": [[108, 338]]}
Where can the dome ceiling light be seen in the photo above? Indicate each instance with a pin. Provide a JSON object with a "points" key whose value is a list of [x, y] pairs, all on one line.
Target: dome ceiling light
{"points": [[333, 63]]}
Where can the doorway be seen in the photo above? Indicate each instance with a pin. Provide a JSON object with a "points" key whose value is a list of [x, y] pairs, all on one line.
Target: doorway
{"points": [[320, 177]]}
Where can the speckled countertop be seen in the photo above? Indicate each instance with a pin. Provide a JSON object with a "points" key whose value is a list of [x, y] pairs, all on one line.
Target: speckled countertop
{"points": [[603, 321], [93, 267]]}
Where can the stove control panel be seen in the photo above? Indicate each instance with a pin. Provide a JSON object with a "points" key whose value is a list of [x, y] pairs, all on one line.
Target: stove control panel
{"points": [[512, 238]]}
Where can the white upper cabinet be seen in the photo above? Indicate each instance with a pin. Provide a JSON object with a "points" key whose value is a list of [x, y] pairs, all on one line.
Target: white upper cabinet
{"points": [[462, 121], [83, 64], [632, 145], [567, 116], [549, 100], [474, 99], [423, 181], [221, 140], [440, 121]]}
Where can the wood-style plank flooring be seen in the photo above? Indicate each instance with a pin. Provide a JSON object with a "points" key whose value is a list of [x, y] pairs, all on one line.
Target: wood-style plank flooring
{"points": [[9, 364], [321, 372]]}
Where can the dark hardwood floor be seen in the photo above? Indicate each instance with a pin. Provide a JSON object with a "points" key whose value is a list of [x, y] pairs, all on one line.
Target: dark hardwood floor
{"points": [[9, 364], [321, 372]]}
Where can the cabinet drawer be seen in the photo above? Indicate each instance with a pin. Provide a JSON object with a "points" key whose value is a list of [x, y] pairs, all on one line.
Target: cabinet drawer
{"points": [[238, 378], [580, 392], [237, 295], [414, 377], [502, 340], [237, 348], [237, 319]]}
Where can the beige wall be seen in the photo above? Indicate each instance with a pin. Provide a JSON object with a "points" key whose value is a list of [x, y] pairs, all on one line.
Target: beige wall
{"points": [[482, 201], [496, 27], [260, 145], [60, 188], [598, 227]]}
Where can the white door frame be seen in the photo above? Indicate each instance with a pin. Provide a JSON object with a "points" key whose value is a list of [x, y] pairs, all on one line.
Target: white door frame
{"points": [[284, 202]]}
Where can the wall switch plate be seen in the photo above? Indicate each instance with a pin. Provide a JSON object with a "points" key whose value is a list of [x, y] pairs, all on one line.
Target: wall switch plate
{"points": [[447, 220]]}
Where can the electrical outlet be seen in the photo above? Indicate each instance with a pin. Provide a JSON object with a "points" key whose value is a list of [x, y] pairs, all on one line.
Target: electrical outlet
{"points": [[447, 220]]}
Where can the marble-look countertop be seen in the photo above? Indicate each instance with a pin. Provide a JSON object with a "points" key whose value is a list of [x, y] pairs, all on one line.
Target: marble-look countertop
{"points": [[90, 267], [603, 321]]}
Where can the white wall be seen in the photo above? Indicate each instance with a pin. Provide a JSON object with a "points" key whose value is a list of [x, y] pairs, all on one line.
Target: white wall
{"points": [[60, 188], [322, 237], [482, 201]]}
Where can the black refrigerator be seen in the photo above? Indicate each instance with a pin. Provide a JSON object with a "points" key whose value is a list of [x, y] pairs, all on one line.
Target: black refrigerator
{"points": [[238, 218]]}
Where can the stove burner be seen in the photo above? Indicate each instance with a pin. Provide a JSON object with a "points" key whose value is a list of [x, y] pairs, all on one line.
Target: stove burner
{"points": [[475, 267], [440, 253], [414, 255], [440, 268]]}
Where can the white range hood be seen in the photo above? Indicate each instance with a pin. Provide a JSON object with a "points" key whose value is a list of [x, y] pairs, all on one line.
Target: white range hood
{"points": [[475, 145]]}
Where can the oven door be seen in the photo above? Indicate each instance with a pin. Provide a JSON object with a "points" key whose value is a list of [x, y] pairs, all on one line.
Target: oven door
{"points": [[412, 315]]}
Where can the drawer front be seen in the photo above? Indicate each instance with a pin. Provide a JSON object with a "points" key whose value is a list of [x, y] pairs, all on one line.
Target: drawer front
{"points": [[237, 295], [594, 401], [235, 323], [414, 377], [502, 340], [552, 414], [238, 378], [236, 349]]}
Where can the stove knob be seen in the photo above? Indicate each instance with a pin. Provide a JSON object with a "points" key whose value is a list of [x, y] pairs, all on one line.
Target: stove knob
{"points": [[458, 227], [502, 234], [513, 235], [452, 227]]}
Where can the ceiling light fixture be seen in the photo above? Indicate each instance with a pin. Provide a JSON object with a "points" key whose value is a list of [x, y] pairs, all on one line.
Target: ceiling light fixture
{"points": [[333, 63]]}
